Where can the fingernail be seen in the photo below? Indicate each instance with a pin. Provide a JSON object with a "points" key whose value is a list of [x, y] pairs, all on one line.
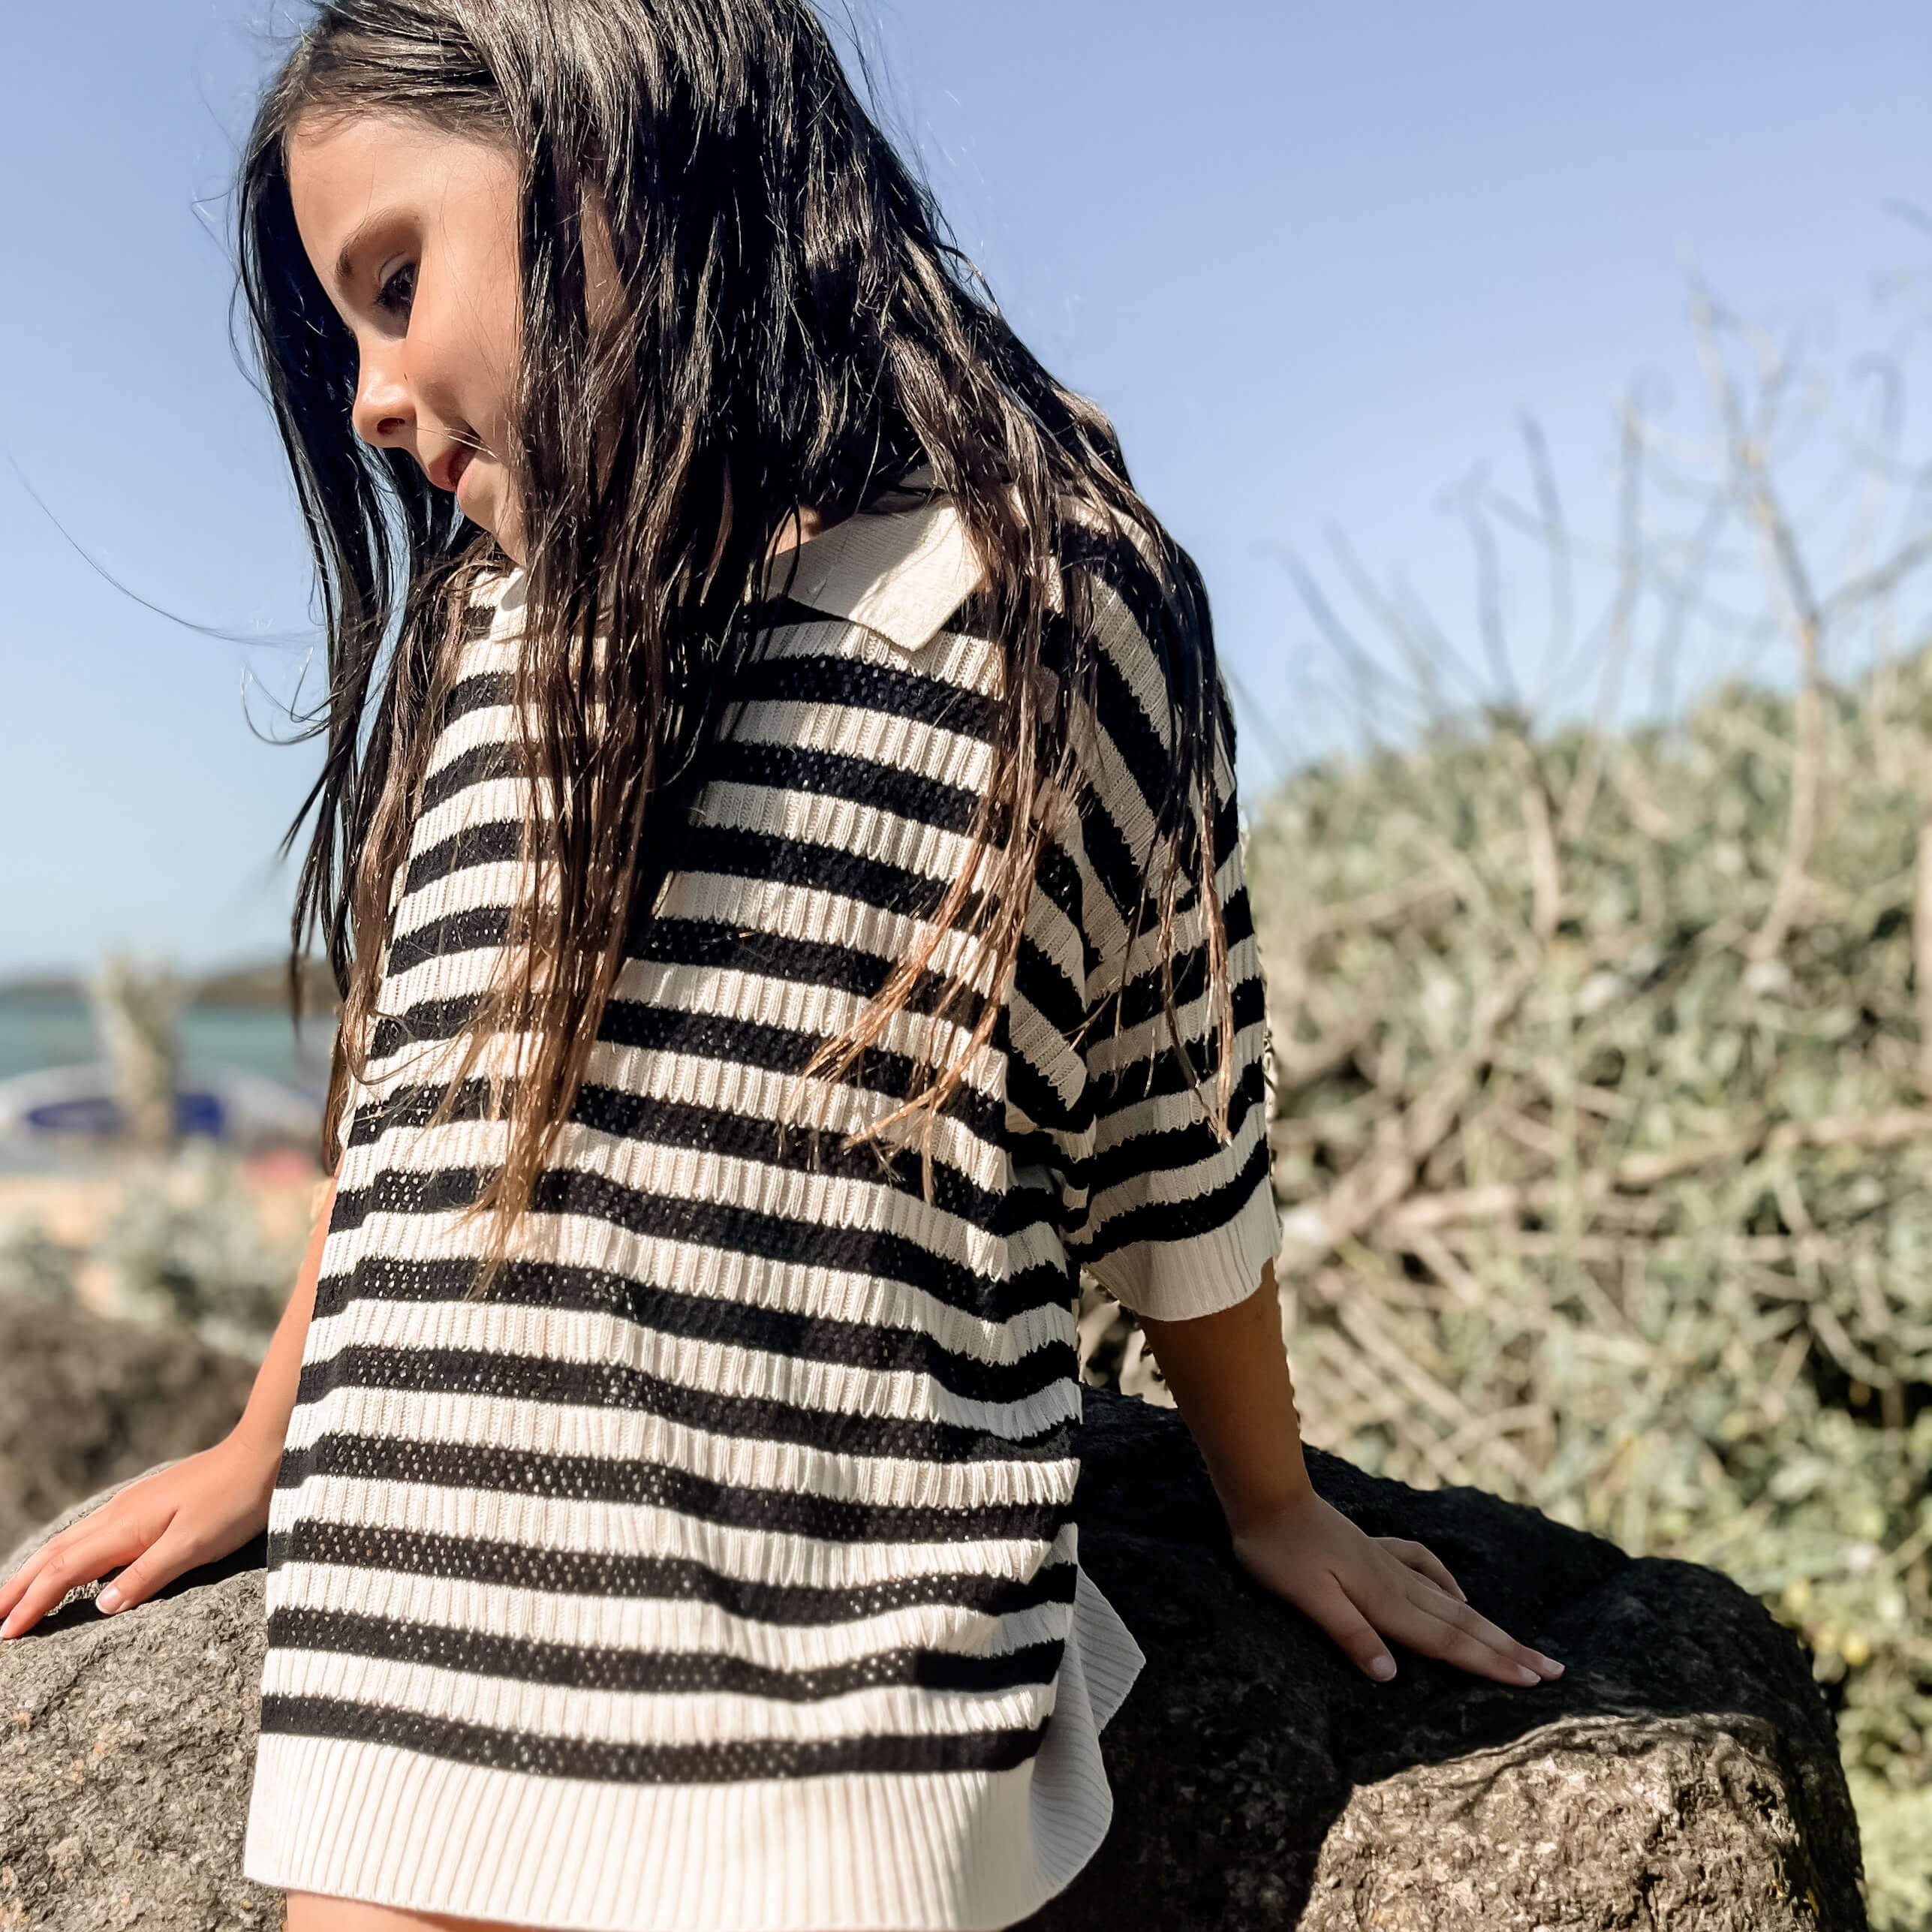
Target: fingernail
{"points": [[109, 1601], [6, 1630], [1524, 1674], [1382, 1669], [1551, 1667]]}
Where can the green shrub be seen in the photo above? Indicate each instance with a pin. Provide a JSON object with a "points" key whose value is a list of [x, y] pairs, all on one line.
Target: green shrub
{"points": [[1596, 1199]]}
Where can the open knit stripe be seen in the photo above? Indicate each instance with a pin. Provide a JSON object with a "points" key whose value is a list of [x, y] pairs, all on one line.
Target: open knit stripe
{"points": [[361, 1561], [531, 1304]]}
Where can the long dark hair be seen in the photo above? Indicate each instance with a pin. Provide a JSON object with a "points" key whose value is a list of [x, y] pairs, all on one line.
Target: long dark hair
{"points": [[798, 329]]}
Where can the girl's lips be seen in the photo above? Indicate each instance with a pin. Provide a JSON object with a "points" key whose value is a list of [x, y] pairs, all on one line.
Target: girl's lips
{"points": [[446, 471]]}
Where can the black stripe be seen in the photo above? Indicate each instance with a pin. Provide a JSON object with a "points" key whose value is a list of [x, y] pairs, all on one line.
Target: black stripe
{"points": [[494, 1375], [480, 764], [733, 1133], [805, 962], [590, 1479], [1140, 999], [479, 691], [909, 795], [608, 1669], [496, 843], [744, 1135], [698, 944], [1057, 878], [779, 1049], [770, 859], [1119, 869], [1180, 1220], [1047, 986], [1157, 1068], [1036, 1096], [856, 685], [468, 931], [749, 1231], [1170, 1150], [423, 1024], [1133, 734], [706, 1318], [674, 1579], [645, 1764]]}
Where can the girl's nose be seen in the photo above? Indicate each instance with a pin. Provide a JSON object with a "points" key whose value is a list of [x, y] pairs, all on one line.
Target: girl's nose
{"points": [[383, 413]]}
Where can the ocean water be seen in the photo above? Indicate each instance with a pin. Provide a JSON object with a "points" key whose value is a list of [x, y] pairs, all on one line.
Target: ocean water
{"points": [[51, 1030]]}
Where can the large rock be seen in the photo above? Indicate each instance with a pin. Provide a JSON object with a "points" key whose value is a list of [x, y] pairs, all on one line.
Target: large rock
{"points": [[1682, 1774], [85, 1401]]}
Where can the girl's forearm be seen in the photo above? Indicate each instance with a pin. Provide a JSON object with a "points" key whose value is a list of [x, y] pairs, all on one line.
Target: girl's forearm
{"points": [[1229, 1374], [264, 1421]]}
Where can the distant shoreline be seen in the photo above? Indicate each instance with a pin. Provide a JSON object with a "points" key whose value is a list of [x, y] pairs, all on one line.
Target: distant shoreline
{"points": [[254, 988]]}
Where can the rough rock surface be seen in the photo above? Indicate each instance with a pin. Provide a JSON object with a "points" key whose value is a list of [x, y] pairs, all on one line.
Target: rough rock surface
{"points": [[1683, 1774], [85, 1401]]}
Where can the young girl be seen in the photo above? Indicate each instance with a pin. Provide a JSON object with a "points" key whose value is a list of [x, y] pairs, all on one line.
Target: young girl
{"points": [[777, 841]]}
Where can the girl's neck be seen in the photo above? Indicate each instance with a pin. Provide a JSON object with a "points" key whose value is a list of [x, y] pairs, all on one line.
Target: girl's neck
{"points": [[796, 530]]}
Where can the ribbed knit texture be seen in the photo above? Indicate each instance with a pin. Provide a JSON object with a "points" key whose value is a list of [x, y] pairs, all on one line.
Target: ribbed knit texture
{"points": [[717, 1570]]}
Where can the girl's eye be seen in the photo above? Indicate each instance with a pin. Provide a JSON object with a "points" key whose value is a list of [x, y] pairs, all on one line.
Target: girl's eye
{"points": [[395, 294]]}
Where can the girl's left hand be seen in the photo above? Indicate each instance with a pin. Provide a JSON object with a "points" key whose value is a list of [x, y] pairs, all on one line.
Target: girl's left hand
{"points": [[1361, 1589]]}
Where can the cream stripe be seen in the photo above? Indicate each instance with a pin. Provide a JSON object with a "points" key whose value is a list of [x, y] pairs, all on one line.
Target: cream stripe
{"points": [[634, 1435], [808, 914], [735, 1088], [589, 1339], [879, 737], [839, 824], [487, 801], [722, 1181], [486, 724], [796, 1286]]}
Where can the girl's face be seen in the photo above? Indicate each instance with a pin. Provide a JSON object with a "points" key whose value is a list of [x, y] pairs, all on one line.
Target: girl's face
{"points": [[413, 232]]}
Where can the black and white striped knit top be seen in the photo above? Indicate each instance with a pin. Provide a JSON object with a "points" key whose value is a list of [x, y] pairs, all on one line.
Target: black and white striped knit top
{"points": [[717, 1570]]}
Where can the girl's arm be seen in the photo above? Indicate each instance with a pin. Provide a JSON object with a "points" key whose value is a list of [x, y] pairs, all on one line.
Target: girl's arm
{"points": [[194, 1512], [1229, 1375]]}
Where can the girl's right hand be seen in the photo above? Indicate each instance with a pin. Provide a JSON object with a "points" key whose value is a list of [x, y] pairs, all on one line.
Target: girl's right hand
{"points": [[193, 1512]]}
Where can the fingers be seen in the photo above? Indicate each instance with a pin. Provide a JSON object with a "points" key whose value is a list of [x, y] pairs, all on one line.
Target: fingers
{"points": [[1419, 1557], [1435, 1627], [15, 1587], [106, 1540], [1330, 1606], [160, 1563], [77, 1556]]}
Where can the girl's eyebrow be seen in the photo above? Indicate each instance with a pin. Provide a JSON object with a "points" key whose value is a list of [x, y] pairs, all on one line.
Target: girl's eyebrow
{"points": [[345, 255]]}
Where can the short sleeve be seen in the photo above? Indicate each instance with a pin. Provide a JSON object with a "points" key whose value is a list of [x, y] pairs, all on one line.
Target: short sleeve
{"points": [[1173, 1220]]}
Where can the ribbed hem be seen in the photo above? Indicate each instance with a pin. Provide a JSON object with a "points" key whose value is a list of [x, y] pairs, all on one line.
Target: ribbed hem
{"points": [[870, 1852], [1179, 1281]]}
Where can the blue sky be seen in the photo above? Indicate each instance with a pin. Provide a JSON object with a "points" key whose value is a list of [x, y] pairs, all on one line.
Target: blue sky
{"points": [[1315, 261]]}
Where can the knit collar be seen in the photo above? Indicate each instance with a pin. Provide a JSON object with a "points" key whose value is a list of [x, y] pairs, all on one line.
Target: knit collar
{"points": [[900, 573]]}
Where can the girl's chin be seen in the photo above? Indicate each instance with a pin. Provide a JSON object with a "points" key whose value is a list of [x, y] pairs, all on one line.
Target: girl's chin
{"points": [[474, 497], [480, 499]]}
